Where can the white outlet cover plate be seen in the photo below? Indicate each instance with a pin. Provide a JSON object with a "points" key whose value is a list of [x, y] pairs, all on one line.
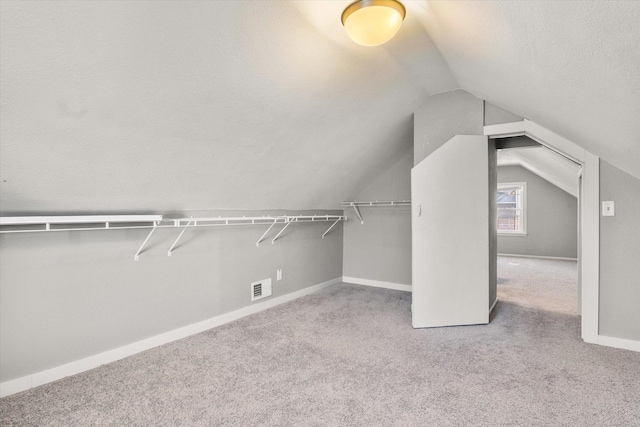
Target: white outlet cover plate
{"points": [[608, 208]]}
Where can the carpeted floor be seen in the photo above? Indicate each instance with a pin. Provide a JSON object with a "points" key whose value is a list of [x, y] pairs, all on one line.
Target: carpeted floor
{"points": [[348, 356], [549, 285]]}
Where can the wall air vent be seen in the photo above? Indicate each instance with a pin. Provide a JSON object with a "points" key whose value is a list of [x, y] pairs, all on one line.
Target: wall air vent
{"points": [[261, 289]]}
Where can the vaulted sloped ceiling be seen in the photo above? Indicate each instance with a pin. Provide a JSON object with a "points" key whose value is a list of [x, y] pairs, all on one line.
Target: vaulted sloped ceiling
{"points": [[547, 164], [571, 66], [171, 105], [174, 105]]}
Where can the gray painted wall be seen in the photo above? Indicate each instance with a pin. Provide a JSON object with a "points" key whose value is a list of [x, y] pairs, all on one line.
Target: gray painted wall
{"points": [[620, 255], [495, 115], [552, 218], [443, 116], [380, 249], [69, 295]]}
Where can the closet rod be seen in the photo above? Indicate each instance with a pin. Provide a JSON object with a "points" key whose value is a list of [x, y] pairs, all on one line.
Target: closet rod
{"points": [[378, 203], [76, 219]]}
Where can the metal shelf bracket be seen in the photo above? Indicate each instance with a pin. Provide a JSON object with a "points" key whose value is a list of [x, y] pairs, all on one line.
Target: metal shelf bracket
{"points": [[329, 229], [136, 257], [280, 232], [355, 208], [179, 236], [265, 233]]}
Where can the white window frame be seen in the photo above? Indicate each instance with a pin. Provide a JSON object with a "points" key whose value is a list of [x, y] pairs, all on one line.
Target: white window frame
{"points": [[522, 208]]}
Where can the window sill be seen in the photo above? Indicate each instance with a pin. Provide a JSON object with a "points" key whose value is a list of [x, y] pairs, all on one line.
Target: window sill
{"points": [[512, 234]]}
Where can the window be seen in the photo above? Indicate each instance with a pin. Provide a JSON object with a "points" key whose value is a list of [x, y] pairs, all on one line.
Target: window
{"points": [[511, 208]]}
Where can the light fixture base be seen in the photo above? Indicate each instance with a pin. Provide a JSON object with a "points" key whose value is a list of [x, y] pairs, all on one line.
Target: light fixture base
{"points": [[373, 22], [361, 4]]}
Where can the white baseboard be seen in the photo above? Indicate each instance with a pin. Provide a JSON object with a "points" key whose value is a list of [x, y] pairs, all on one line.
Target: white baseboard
{"points": [[539, 257], [377, 283], [29, 381], [618, 343], [495, 302]]}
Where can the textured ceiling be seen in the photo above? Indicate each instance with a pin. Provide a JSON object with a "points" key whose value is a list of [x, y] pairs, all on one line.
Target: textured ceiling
{"points": [[176, 105], [570, 66], [154, 106]]}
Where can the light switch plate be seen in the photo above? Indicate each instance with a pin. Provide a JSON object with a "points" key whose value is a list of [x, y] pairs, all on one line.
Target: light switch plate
{"points": [[608, 208], [279, 274]]}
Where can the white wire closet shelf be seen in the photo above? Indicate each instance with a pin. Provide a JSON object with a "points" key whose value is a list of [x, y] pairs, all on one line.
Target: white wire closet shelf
{"points": [[376, 203], [260, 220], [31, 224]]}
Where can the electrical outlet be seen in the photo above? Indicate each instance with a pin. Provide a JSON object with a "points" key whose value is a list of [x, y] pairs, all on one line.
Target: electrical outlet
{"points": [[279, 274]]}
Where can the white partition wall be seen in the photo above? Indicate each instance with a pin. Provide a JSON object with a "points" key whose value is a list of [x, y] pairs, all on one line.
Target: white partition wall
{"points": [[450, 234]]}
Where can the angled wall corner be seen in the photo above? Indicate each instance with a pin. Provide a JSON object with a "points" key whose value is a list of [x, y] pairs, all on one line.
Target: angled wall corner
{"points": [[443, 116], [494, 115]]}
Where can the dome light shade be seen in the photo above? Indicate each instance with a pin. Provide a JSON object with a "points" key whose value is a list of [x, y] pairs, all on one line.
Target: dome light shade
{"points": [[373, 22]]}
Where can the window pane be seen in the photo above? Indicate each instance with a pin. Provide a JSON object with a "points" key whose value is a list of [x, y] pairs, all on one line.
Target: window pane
{"points": [[509, 219], [510, 208]]}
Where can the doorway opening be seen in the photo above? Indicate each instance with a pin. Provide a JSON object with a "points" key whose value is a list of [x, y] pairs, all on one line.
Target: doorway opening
{"points": [[589, 217], [538, 200]]}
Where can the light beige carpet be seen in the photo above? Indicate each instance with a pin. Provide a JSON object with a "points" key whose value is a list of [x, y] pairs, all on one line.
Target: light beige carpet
{"points": [[550, 285]]}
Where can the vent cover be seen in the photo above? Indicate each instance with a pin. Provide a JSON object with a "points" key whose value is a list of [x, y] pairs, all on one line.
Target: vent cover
{"points": [[261, 289]]}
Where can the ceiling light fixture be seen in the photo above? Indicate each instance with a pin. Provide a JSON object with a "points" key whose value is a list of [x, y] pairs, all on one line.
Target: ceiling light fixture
{"points": [[373, 22]]}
